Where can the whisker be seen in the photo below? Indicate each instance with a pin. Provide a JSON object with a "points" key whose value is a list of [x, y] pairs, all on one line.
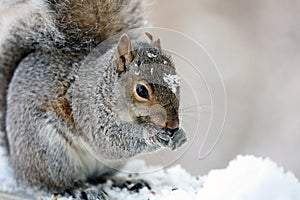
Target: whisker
{"points": [[185, 112], [187, 116], [194, 106]]}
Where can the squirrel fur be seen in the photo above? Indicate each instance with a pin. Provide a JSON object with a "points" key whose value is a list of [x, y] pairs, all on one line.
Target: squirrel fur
{"points": [[67, 104]]}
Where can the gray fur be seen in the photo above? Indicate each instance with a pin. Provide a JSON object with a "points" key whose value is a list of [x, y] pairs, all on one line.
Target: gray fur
{"points": [[68, 107]]}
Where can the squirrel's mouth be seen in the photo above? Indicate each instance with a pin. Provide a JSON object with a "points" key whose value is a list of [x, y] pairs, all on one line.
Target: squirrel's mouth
{"points": [[146, 119], [171, 131]]}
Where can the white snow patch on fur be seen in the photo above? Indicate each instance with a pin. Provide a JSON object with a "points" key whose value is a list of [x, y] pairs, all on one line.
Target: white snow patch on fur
{"points": [[172, 81]]}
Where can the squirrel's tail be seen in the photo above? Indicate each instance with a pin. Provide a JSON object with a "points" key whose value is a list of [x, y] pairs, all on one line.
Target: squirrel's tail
{"points": [[42, 23], [28, 25], [96, 20]]}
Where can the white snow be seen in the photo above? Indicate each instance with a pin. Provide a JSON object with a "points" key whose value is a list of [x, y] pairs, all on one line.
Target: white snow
{"points": [[172, 81], [166, 184], [137, 73], [245, 178], [151, 55], [250, 178]]}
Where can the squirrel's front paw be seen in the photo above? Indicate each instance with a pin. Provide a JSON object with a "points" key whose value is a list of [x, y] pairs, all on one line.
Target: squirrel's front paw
{"points": [[170, 139]]}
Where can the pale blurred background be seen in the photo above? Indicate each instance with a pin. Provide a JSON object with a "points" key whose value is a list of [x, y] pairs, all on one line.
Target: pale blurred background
{"points": [[256, 45]]}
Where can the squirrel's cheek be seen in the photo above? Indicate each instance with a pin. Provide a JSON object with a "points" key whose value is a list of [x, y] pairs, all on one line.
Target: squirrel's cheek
{"points": [[158, 115]]}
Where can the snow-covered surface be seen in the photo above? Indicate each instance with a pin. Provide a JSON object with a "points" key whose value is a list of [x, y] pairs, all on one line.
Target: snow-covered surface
{"points": [[246, 177], [249, 177]]}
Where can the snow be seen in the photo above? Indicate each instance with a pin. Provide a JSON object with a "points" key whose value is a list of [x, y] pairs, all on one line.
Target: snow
{"points": [[171, 183], [151, 55], [172, 81], [245, 178], [249, 178]]}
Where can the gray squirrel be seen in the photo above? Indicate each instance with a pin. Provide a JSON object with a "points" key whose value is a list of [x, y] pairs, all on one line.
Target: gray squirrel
{"points": [[65, 104]]}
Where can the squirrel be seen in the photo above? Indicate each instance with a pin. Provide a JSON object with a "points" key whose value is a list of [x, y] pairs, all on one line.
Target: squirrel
{"points": [[65, 105]]}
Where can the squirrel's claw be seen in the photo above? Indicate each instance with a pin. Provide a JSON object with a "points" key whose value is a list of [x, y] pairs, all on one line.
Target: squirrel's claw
{"points": [[178, 139], [163, 138], [173, 141]]}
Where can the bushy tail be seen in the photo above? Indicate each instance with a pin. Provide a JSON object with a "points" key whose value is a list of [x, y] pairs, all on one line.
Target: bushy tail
{"points": [[41, 23], [95, 20]]}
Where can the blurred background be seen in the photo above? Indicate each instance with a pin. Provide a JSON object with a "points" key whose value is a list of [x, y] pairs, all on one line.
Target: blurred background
{"points": [[256, 45]]}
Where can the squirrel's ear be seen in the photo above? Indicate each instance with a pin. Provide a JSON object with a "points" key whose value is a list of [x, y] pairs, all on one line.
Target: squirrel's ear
{"points": [[149, 35], [124, 54], [156, 43]]}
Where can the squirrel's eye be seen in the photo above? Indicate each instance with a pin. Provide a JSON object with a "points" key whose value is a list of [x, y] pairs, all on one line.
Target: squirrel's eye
{"points": [[142, 91]]}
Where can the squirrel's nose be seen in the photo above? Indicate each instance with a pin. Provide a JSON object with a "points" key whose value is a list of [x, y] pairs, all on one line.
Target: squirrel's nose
{"points": [[172, 124]]}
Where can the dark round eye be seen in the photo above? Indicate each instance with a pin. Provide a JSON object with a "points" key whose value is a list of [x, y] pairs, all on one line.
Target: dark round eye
{"points": [[142, 91]]}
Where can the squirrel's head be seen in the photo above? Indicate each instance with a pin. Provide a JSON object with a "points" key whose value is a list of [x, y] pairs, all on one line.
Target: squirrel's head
{"points": [[147, 84]]}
